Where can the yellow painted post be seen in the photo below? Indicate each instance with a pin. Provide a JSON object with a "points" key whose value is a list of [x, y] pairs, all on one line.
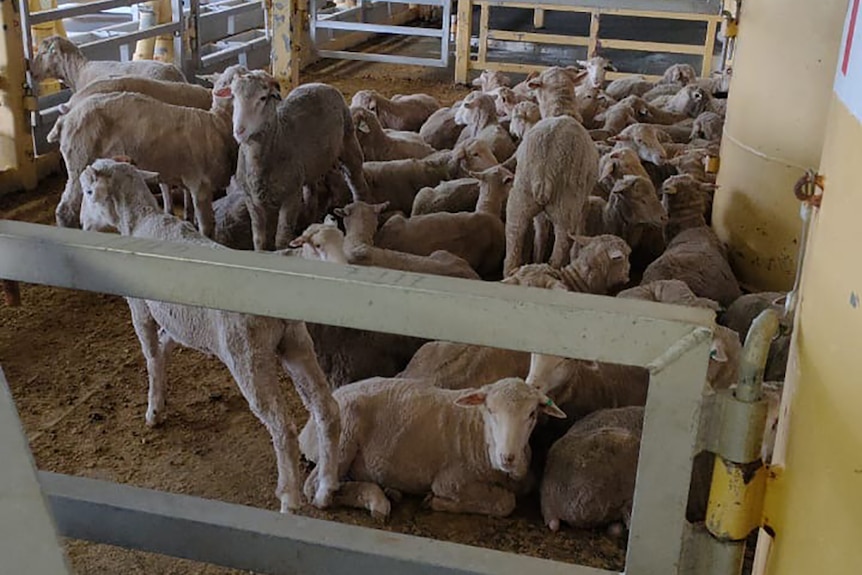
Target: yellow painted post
{"points": [[595, 21], [708, 48], [289, 19], [774, 131], [147, 18], [484, 20], [163, 50], [815, 514], [462, 40], [41, 31], [16, 143]]}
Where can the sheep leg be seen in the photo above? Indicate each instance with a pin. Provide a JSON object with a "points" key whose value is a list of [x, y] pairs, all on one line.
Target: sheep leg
{"points": [[188, 206], [288, 214], [458, 495], [263, 224], [520, 211], [11, 293], [562, 246], [364, 495], [255, 373], [300, 362], [351, 166], [202, 198], [167, 198], [542, 238], [156, 350], [68, 210]]}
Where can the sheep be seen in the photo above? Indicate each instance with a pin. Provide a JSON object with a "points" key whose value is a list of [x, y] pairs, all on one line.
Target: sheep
{"points": [[628, 86], [201, 156], [490, 80], [659, 90], [718, 83], [685, 200], [440, 131], [505, 100], [116, 196], [689, 102], [399, 181], [627, 111], [525, 115], [634, 213], [697, 257], [596, 68], [558, 167], [380, 145], [461, 366], [360, 221], [643, 139], [451, 196], [684, 74], [591, 103], [479, 116], [274, 157], [668, 291], [613, 166], [176, 93], [555, 92], [741, 313], [589, 477], [58, 57], [399, 113], [707, 125], [476, 462], [478, 237]]}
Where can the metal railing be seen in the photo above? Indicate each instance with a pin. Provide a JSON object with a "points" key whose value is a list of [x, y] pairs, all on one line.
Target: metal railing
{"points": [[672, 342]]}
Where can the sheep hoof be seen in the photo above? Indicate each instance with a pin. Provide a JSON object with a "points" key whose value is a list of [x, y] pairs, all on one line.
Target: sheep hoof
{"points": [[290, 504], [554, 525], [154, 418], [324, 495], [393, 494], [380, 511]]}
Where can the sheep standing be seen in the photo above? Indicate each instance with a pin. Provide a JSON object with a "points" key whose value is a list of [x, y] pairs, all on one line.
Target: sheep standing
{"points": [[176, 93], [478, 454], [250, 346], [275, 159], [555, 92], [186, 146], [525, 115], [398, 113], [557, 170], [58, 57], [478, 113]]}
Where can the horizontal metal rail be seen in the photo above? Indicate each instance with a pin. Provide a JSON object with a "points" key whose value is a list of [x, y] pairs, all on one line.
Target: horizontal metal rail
{"points": [[247, 538], [43, 16], [383, 58], [379, 28], [232, 51]]}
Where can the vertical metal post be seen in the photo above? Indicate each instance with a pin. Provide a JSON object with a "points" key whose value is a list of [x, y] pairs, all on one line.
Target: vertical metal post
{"points": [[709, 48], [177, 16], [667, 449], [462, 40], [444, 41], [287, 26], [193, 60]]}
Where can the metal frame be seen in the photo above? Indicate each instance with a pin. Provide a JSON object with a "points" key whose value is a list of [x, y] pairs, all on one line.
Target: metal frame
{"points": [[672, 342], [336, 23], [658, 9]]}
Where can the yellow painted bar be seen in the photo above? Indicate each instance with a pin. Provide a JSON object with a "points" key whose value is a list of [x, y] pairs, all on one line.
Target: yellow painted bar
{"points": [[783, 68], [735, 499], [463, 32]]}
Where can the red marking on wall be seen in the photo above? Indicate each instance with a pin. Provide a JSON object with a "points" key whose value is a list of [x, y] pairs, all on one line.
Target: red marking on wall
{"points": [[851, 31]]}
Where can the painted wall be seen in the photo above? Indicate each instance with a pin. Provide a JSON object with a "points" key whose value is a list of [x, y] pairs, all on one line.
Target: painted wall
{"points": [[817, 513]]}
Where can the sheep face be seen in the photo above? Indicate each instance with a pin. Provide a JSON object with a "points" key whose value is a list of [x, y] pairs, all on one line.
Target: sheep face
{"points": [[604, 259], [324, 242], [643, 140], [365, 99], [509, 409], [490, 79], [103, 183], [679, 74], [255, 96], [596, 68], [46, 61], [474, 155]]}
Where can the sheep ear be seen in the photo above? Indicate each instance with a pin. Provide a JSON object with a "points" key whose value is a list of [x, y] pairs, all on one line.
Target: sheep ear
{"points": [[223, 92], [63, 109], [508, 178], [581, 63], [340, 212], [708, 187], [151, 178], [610, 68], [473, 399], [380, 208], [477, 83], [297, 242], [548, 407], [362, 126], [329, 220], [616, 255], [717, 353], [534, 84], [669, 190]]}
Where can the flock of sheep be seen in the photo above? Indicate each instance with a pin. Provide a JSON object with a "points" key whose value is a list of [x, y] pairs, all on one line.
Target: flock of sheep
{"points": [[563, 181]]}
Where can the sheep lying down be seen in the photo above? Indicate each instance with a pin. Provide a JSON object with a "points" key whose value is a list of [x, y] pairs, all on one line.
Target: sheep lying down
{"points": [[466, 450]]}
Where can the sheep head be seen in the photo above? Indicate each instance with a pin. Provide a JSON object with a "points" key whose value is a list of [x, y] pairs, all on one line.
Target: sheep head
{"points": [[48, 59], [255, 96], [510, 408], [644, 140], [366, 99], [633, 206], [490, 79], [324, 242], [598, 263], [109, 186]]}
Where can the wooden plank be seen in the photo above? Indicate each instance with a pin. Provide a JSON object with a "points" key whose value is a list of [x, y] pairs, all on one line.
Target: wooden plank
{"points": [[539, 18], [659, 14], [652, 47], [595, 20], [618, 75], [462, 40], [484, 17], [708, 49], [508, 67], [508, 36]]}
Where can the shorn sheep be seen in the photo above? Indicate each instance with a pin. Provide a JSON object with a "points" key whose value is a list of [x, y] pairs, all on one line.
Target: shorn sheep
{"points": [[176, 93], [275, 159], [557, 169], [58, 57], [399, 112], [116, 196], [469, 449]]}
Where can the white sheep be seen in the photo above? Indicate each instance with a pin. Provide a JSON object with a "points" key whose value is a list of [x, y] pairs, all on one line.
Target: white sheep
{"points": [[685, 200], [596, 68], [615, 165], [555, 91], [450, 196], [525, 115], [440, 130], [398, 113], [478, 114], [379, 145], [186, 146], [628, 86], [469, 449], [58, 57], [490, 80], [557, 170], [252, 347], [176, 93], [285, 144]]}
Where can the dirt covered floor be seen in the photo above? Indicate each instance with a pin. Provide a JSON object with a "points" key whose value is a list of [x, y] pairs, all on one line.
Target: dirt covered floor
{"points": [[80, 385]]}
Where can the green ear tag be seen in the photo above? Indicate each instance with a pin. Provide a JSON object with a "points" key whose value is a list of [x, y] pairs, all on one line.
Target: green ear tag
{"points": [[550, 402]]}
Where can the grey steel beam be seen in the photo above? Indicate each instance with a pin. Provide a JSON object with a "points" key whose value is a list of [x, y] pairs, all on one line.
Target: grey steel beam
{"points": [[243, 537], [487, 313], [384, 58], [379, 28], [78, 10], [28, 540], [126, 39], [233, 51]]}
